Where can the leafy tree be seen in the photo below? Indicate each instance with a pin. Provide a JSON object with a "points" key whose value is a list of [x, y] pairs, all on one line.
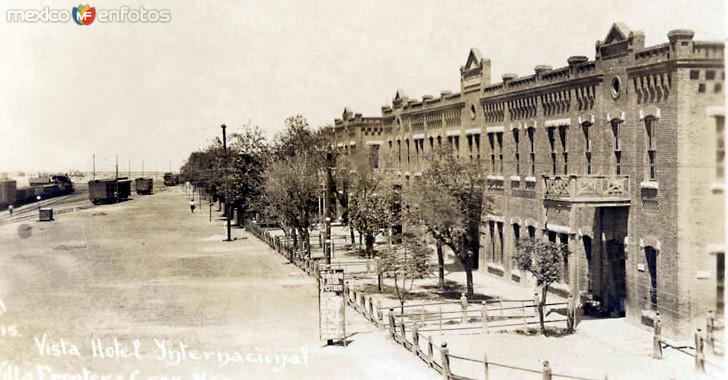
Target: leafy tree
{"points": [[543, 259], [447, 201], [369, 206], [408, 261], [292, 187]]}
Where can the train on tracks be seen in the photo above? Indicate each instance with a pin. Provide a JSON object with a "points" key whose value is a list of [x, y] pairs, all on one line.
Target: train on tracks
{"points": [[171, 179], [143, 185], [109, 190], [39, 188]]}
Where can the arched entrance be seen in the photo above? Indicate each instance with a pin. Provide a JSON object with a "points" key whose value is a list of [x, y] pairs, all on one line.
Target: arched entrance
{"points": [[651, 259]]}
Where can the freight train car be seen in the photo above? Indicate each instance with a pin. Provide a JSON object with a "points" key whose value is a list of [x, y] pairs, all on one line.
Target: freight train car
{"points": [[143, 185], [109, 190], [7, 193]]}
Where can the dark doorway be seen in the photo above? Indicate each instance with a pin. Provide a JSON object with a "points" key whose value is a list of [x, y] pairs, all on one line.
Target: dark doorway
{"points": [[587, 241], [617, 293], [651, 257]]}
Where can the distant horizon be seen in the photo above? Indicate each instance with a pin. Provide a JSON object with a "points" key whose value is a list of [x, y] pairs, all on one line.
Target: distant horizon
{"points": [[158, 91]]}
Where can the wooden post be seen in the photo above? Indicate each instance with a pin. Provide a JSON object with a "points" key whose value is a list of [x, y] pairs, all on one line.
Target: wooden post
{"points": [[445, 358], [371, 310], [570, 314], [429, 350], [699, 352], [709, 326], [546, 370], [404, 335], [379, 311], [656, 339], [415, 339], [464, 308], [391, 323], [484, 317], [485, 367], [523, 315]]}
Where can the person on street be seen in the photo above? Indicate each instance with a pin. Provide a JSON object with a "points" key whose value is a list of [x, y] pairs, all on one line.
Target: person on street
{"points": [[10, 208], [192, 206]]}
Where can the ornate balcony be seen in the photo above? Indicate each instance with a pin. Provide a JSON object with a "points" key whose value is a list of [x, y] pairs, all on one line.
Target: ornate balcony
{"points": [[602, 190]]}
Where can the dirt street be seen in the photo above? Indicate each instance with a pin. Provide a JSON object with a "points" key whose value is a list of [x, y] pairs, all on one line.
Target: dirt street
{"points": [[145, 289]]}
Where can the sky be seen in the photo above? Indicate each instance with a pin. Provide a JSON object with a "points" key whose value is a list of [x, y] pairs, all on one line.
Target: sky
{"points": [[154, 92]]}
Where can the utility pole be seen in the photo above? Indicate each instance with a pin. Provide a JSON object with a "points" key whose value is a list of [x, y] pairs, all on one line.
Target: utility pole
{"points": [[128, 169], [142, 168], [328, 207], [227, 203], [94, 164]]}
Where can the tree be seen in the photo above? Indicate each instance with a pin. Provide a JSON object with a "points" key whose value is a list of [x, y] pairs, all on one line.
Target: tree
{"points": [[370, 203], [543, 259], [447, 201], [291, 187], [408, 261]]}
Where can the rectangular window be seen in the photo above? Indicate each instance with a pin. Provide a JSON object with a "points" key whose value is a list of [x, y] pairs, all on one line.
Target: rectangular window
{"points": [[517, 150], [651, 151], [499, 139], [470, 147], [616, 131], [587, 149], [399, 153], [564, 149], [552, 147], [694, 74], [476, 138], [500, 243], [407, 143], [491, 229], [532, 154], [720, 147], [491, 140], [709, 74], [374, 156]]}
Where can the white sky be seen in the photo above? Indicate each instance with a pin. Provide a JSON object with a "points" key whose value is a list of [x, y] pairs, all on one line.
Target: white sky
{"points": [[155, 92]]}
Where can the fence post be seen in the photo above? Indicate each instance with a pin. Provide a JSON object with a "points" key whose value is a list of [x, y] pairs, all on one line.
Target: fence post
{"points": [[699, 352], [464, 308], [485, 367], [429, 350], [709, 326], [570, 313], [404, 335], [484, 318], [656, 339], [391, 323], [445, 358], [415, 340], [371, 310], [523, 315], [546, 370], [379, 311]]}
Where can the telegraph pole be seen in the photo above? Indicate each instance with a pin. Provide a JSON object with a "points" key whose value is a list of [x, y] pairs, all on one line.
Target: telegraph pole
{"points": [[227, 203], [94, 164]]}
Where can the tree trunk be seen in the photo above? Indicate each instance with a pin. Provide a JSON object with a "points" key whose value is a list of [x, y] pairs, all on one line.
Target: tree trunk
{"points": [[351, 232], [360, 239], [468, 280], [440, 266], [295, 238], [541, 305], [240, 216], [370, 245]]}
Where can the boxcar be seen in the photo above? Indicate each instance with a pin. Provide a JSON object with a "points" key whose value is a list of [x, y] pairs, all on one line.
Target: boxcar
{"points": [[109, 190], [143, 185], [7, 193]]}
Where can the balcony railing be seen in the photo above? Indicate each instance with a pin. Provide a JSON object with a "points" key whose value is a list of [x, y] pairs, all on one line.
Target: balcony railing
{"points": [[587, 188]]}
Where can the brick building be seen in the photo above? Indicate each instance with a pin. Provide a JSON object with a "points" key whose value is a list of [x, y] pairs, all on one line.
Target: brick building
{"points": [[620, 158]]}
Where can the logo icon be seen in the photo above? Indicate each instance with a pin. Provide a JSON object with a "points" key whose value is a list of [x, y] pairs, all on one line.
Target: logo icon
{"points": [[84, 14]]}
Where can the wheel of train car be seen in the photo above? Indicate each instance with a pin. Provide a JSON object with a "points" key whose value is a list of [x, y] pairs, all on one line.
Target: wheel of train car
{"points": [[94, 201]]}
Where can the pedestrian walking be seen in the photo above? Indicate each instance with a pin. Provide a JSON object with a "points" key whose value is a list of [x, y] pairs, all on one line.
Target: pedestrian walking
{"points": [[192, 206], [10, 208]]}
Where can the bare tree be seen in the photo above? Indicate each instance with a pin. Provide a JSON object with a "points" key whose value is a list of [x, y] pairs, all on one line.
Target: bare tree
{"points": [[407, 261], [543, 259]]}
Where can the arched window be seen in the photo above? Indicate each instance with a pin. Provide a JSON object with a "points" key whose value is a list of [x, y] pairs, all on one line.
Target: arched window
{"points": [[651, 258], [586, 126], [617, 131]]}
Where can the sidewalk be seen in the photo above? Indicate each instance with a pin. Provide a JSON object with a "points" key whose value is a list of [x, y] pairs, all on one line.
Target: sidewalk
{"points": [[600, 347]]}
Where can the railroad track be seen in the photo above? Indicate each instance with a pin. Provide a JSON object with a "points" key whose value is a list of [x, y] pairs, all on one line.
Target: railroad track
{"points": [[67, 203]]}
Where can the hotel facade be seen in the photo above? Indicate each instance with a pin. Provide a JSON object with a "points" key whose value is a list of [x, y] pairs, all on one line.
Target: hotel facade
{"points": [[620, 158]]}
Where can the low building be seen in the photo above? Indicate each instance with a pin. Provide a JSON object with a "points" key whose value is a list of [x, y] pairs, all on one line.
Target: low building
{"points": [[620, 158]]}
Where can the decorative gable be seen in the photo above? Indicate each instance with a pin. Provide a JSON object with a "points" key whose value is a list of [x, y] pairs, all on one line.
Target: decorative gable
{"points": [[618, 32]]}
